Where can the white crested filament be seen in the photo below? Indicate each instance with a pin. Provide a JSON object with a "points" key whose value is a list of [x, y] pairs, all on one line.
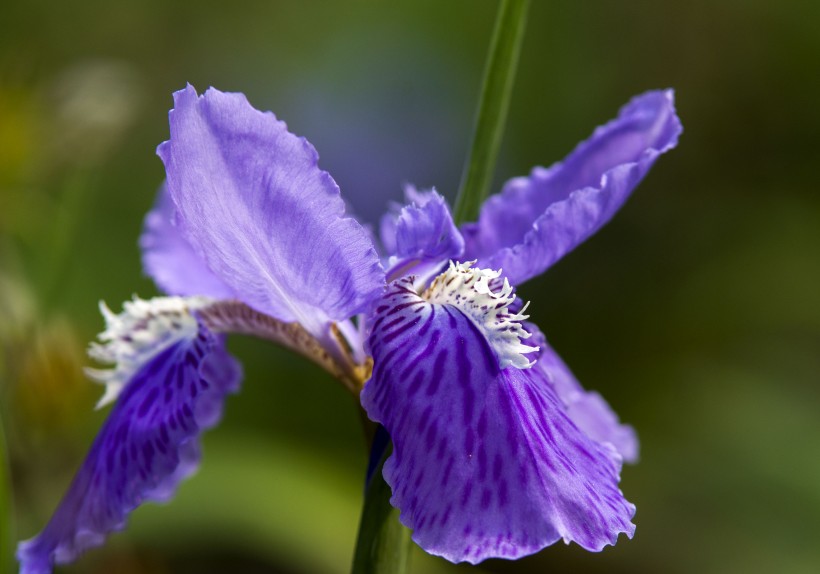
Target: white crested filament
{"points": [[133, 337], [486, 300]]}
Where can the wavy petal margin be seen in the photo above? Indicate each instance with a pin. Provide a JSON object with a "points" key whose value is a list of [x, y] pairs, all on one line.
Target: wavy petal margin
{"points": [[538, 219], [266, 220]]}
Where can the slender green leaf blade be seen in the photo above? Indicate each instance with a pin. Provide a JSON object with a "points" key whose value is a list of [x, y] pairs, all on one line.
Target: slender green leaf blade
{"points": [[499, 75]]}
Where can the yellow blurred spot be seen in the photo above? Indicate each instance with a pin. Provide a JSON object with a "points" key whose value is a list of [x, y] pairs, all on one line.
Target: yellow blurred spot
{"points": [[52, 393]]}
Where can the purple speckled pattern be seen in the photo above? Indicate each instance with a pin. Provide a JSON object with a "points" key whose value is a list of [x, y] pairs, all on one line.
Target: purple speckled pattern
{"points": [[169, 259], [538, 219], [266, 220], [486, 462], [148, 444]]}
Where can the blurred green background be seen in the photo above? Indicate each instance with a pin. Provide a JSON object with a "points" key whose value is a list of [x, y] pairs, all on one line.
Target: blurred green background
{"points": [[696, 312]]}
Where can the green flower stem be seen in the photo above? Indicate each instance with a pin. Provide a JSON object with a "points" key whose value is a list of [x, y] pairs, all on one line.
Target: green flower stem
{"points": [[383, 545], [499, 75]]}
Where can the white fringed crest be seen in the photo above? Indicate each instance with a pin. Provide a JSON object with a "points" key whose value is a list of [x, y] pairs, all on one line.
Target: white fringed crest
{"points": [[135, 336], [485, 299]]}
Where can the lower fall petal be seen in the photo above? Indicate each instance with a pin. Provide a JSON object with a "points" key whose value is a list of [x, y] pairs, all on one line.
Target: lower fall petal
{"points": [[148, 444], [486, 461]]}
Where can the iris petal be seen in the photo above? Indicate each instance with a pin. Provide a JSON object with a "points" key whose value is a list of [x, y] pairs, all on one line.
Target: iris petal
{"points": [[587, 409], [148, 444], [538, 219], [421, 236], [486, 462], [256, 207], [169, 259]]}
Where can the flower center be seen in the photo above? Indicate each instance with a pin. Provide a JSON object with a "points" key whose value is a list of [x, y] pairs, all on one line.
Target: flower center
{"points": [[485, 298]]}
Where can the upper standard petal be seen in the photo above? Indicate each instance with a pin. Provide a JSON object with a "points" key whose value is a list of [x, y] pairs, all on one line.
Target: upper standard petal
{"points": [[538, 219], [267, 221], [421, 237], [169, 259]]}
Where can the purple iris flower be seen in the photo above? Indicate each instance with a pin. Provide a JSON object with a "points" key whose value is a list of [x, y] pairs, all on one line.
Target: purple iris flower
{"points": [[498, 450]]}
